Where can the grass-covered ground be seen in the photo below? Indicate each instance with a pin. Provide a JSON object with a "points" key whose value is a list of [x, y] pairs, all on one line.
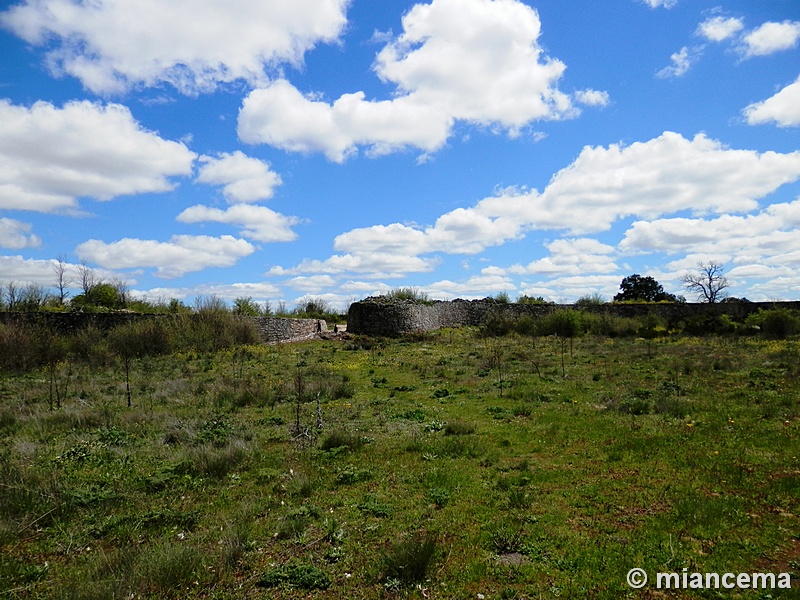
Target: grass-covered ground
{"points": [[442, 467]]}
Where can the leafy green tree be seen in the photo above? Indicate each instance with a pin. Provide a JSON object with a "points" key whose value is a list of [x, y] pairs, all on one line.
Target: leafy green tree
{"points": [[315, 308], [245, 306], [100, 295], [636, 288], [176, 307], [532, 300], [502, 298]]}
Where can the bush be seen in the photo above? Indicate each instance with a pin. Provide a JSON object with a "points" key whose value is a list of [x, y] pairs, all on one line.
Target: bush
{"points": [[611, 326], [26, 492], [563, 323], [23, 346], [777, 323], [497, 324], [297, 574], [506, 538], [502, 298], [709, 324], [459, 428], [340, 438], [532, 300], [168, 567], [213, 330], [590, 300], [90, 346], [408, 561], [147, 337], [409, 293]]}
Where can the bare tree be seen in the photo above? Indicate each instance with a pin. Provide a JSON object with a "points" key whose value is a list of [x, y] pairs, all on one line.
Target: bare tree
{"points": [[32, 297], [12, 295], [708, 283], [88, 277], [62, 278], [123, 291]]}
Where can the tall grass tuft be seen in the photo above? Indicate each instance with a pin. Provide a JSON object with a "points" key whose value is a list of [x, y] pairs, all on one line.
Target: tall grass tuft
{"points": [[409, 561]]}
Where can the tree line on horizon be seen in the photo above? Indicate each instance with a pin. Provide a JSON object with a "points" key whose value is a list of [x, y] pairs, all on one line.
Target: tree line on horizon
{"points": [[100, 295]]}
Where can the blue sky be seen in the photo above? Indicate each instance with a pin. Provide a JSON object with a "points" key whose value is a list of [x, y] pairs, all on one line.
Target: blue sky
{"points": [[335, 150]]}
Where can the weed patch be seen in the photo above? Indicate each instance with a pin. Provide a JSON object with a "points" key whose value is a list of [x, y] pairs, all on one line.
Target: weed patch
{"points": [[298, 574]]}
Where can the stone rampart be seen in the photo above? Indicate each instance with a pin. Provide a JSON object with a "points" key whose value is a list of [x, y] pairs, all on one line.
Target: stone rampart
{"points": [[276, 329], [384, 317], [272, 329]]}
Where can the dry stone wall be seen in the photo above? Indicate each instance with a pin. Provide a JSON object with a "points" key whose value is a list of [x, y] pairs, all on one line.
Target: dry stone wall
{"points": [[272, 329], [383, 317], [275, 329]]}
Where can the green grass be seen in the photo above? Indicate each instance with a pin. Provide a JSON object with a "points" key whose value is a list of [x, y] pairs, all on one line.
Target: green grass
{"points": [[411, 468]]}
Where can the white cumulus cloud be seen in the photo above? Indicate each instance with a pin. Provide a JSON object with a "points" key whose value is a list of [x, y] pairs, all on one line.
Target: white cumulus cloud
{"points": [[665, 175], [279, 115], [257, 223], [771, 37], [17, 235], [658, 3], [682, 61], [477, 61], [371, 265], [783, 108], [50, 156], [592, 97], [244, 179], [180, 255], [718, 29], [763, 237], [112, 45], [571, 257]]}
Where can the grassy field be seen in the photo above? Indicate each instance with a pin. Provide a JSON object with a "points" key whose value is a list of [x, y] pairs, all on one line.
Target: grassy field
{"points": [[444, 466]]}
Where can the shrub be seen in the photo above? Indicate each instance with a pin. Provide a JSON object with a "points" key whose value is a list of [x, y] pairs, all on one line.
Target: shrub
{"points": [[235, 542], [590, 300], [26, 492], [409, 293], [296, 574], [563, 323], [90, 346], [215, 462], [506, 537], [525, 325], [459, 428], [532, 300], [339, 438], [635, 403], [777, 323], [146, 337], [213, 330], [497, 324], [169, 567], [23, 346], [349, 475], [408, 561], [709, 324], [611, 326]]}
